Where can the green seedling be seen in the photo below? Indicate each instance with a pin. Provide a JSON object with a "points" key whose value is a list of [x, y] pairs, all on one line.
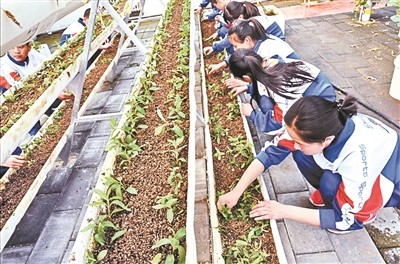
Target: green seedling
{"points": [[174, 242], [218, 154], [167, 202], [218, 131], [92, 259], [247, 249], [226, 213], [175, 179], [240, 147]]}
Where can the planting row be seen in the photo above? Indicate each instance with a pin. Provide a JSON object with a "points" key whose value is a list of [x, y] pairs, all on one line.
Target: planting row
{"points": [[139, 210], [24, 103], [19, 187]]}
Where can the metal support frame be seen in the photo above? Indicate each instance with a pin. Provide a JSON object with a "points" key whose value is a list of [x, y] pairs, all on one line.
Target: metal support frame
{"points": [[121, 23], [77, 90]]}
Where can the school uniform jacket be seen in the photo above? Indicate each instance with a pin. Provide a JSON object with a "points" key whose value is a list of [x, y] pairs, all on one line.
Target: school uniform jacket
{"points": [[273, 107], [366, 154], [72, 30], [271, 28], [11, 70]]}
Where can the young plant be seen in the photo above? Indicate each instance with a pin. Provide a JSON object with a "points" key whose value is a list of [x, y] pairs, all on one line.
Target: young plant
{"points": [[175, 244], [240, 147], [234, 110], [176, 112], [177, 146], [175, 179], [218, 131], [247, 249], [167, 202], [218, 154], [111, 201]]}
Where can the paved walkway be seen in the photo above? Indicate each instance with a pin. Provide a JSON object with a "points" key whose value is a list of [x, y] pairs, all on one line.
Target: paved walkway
{"points": [[358, 59]]}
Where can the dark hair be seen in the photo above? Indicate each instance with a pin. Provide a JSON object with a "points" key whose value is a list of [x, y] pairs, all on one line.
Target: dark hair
{"points": [[276, 78], [248, 28], [314, 118], [234, 9], [86, 14]]}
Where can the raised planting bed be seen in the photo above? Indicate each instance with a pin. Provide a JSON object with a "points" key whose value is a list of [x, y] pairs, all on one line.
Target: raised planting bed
{"points": [[236, 237], [140, 210], [19, 187], [23, 105]]}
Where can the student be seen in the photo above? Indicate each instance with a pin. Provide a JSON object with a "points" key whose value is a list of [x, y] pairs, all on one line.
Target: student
{"points": [[77, 27], [353, 161], [14, 65], [215, 11], [276, 88], [243, 10], [250, 34]]}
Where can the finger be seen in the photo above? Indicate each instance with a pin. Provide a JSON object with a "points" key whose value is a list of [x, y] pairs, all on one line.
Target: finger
{"points": [[20, 158], [259, 205]]}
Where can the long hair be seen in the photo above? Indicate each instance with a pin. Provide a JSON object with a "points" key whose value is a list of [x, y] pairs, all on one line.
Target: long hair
{"points": [[276, 78], [314, 118], [234, 9], [248, 28]]}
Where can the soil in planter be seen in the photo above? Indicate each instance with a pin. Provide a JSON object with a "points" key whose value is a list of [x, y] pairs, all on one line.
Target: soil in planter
{"points": [[227, 175], [149, 171], [21, 180], [35, 84]]}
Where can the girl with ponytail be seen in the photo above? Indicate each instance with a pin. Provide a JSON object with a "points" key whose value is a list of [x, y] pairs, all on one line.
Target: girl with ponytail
{"points": [[275, 88], [352, 160], [241, 10], [250, 34]]}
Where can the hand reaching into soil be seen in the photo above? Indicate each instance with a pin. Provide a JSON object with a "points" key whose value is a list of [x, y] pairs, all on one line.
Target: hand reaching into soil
{"points": [[14, 161], [106, 45], [198, 10], [213, 36], [232, 83], [229, 199], [267, 210], [65, 95], [208, 50], [216, 67], [239, 89], [247, 109]]}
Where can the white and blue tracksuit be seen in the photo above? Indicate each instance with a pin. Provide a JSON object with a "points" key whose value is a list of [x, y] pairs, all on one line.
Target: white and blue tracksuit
{"points": [[11, 72], [357, 174], [274, 47], [72, 30], [215, 11], [271, 28], [273, 107]]}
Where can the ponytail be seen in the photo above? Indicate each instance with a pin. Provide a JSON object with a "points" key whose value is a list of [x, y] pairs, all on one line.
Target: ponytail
{"points": [[248, 28], [276, 79], [314, 118], [235, 9]]}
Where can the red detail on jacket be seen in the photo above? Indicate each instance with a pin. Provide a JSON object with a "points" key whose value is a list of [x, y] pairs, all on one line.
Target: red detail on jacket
{"points": [[278, 114]]}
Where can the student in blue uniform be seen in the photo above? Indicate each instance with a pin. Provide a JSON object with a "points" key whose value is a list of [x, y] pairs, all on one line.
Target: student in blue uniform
{"points": [[275, 88], [215, 11], [250, 34], [353, 161], [245, 10], [242, 10]]}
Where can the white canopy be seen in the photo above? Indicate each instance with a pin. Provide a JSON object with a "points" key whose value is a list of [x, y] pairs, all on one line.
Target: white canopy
{"points": [[22, 20]]}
